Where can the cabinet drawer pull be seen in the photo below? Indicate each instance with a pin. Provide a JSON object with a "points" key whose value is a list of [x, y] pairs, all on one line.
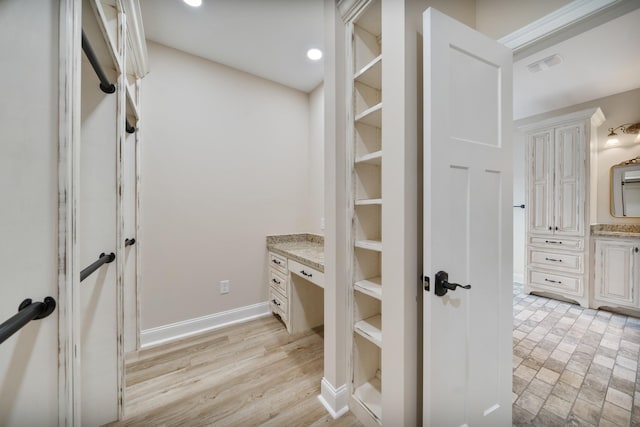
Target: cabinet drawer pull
{"points": [[277, 282], [275, 261], [553, 281], [304, 273], [553, 259], [275, 302], [553, 241], [636, 249]]}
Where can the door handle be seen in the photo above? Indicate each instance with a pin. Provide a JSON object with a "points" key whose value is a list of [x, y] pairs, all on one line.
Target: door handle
{"points": [[442, 285]]}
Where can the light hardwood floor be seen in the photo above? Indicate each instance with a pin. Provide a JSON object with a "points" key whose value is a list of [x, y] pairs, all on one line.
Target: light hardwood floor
{"points": [[251, 374]]}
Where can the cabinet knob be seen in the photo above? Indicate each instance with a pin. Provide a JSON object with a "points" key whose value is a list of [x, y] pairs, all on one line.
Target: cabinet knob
{"points": [[636, 249], [556, 228], [550, 228]]}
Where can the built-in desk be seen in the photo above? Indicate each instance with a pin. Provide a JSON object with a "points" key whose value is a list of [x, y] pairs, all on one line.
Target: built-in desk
{"points": [[296, 280]]}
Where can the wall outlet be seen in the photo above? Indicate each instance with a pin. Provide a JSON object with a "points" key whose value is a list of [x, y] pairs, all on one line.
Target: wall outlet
{"points": [[224, 286], [322, 223]]}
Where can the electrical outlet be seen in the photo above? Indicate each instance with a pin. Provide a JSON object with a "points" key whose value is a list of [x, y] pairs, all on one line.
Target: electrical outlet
{"points": [[224, 286]]}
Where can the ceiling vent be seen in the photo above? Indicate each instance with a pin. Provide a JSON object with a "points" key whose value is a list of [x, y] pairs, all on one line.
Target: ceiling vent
{"points": [[545, 63]]}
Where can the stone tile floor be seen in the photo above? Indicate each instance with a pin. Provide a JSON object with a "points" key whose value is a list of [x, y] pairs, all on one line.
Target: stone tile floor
{"points": [[573, 366]]}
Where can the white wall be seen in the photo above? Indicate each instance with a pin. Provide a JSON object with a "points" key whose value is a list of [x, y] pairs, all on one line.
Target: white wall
{"points": [[224, 163], [618, 109], [316, 159], [29, 209]]}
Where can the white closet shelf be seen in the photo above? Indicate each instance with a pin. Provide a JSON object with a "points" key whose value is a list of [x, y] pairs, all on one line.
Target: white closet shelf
{"points": [[369, 395], [371, 287], [368, 202], [371, 116], [109, 40], [374, 158], [132, 106], [372, 245], [370, 329], [371, 74]]}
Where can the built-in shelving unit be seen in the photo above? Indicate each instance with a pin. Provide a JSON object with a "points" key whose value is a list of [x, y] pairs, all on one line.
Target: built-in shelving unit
{"points": [[366, 191]]}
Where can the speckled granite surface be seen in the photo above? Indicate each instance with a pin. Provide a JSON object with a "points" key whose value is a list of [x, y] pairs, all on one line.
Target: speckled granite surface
{"points": [[306, 248], [616, 230]]}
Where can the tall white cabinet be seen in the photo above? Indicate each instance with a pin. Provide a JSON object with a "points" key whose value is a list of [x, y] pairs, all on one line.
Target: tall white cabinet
{"points": [[559, 209], [365, 151]]}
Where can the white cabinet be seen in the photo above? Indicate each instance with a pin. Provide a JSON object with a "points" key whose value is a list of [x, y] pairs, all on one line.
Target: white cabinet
{"points": [[558, 204], [616, 281], [556, 180]]}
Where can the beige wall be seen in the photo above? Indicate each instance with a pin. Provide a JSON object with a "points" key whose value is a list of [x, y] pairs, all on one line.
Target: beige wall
{"points": [[497, 18], [224, 163], [29, 208]]}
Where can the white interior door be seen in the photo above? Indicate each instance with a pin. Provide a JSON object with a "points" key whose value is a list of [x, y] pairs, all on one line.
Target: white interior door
{"points": [[467, 225]]}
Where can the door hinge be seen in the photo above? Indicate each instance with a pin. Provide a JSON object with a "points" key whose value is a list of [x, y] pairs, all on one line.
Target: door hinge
{"points": [[425, 282]]}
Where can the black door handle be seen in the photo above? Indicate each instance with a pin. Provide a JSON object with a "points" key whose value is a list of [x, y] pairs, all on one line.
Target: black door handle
{"points": [[442, 284]]}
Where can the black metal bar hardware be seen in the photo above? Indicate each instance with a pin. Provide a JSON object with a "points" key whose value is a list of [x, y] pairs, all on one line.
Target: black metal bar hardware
{"points": [[105, 85], [129, 242], [102, 259], [442, 285], [27, 311], [305, 274], [128, 127], [519, 206]]}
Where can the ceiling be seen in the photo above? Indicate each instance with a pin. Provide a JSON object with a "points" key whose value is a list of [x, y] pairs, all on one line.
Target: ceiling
{"points": [[269, 38], [599, 62]]}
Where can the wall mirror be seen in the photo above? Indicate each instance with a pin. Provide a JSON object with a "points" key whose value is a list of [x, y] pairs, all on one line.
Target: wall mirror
{"points": [[625, 188]]}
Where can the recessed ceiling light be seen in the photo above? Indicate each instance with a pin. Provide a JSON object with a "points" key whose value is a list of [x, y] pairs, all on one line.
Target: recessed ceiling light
{"points": [[314, 54], [193, 3]]}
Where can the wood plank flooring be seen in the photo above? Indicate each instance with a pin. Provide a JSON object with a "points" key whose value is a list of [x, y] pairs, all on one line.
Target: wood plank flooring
{"points": [[251, 374]]}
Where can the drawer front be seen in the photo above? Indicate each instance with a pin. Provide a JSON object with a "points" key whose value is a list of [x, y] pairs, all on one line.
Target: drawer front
{"points": [[279, 303], [556, 282], [557, 261], [278, 262], [278, 280], [552, 242], [311, 274]]}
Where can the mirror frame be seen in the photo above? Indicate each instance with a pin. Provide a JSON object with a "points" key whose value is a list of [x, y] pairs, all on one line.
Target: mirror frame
{"points": [[634, 161]]}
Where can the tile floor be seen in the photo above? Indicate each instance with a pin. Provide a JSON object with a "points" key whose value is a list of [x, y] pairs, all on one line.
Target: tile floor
{"points": [[573, 366]]}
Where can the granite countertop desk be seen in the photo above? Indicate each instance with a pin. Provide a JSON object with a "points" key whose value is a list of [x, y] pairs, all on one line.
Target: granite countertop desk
{"points": [[306, 248], [616, 230]]}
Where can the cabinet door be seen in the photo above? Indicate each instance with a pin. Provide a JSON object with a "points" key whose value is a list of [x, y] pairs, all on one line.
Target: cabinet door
{"points": [[616, 271], [569, 182], [540, 176]]}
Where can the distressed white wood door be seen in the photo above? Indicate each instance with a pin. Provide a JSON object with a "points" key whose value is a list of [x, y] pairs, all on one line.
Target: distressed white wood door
{"points": [[467, 225]]}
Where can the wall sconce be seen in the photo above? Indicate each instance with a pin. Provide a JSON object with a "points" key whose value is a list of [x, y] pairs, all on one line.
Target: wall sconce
{"points": [[625, 128]]}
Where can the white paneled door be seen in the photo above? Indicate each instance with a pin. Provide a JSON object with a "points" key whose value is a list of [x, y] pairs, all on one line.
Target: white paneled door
{"points": [[467, 226]]}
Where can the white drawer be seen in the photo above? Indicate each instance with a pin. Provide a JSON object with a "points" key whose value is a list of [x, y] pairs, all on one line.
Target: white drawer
{"points": [[556, 282], [278, 262], [557, 243], [279, 303], [311, 274], [278, 280], [557, 261]]}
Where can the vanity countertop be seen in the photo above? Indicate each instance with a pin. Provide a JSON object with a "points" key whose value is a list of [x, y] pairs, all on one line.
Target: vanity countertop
{"points": [[306, 248], [616, 230]]}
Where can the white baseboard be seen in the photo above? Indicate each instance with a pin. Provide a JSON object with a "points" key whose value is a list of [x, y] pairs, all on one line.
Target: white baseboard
{"points": [[335, 400], [174, 331], [518, 278]]}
